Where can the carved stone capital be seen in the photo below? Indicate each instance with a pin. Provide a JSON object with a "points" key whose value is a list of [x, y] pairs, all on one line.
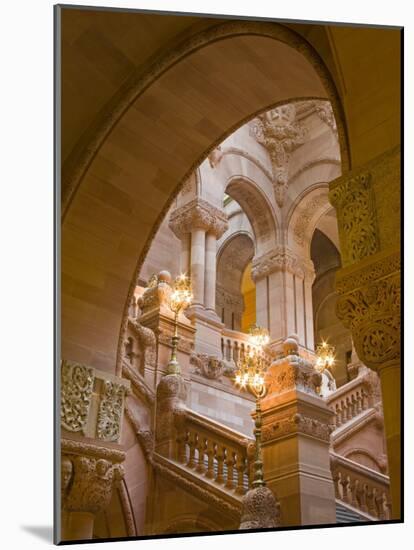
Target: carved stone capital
{"points": [[198, 214], [87, 483], [282, 259], [260, 509], [373, 313]]}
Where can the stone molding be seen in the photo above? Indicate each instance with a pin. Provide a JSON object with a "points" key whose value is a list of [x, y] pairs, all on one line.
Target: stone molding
{"points": [[282, 259], [292, 373], [145, 436], [87, 483], [302, 223], [74, 446], [146, 343], [139, 385], [199, 490], [280, 133], [354, 200], [198, 214]]}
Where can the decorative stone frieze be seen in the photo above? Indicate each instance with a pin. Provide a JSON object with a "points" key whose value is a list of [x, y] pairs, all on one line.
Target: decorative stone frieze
{"points": [[279, 131], [353, 199], [76, 394], [297, 423], [88, 483], [110, 411], [372, 312], [278, 259], [210, 366], [293, 373], [260, 509], [198, 214]]}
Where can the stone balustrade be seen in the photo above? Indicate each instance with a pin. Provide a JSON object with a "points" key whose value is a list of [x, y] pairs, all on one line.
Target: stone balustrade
{"points": [[362, 488], [234, 345], [215, 451], [349, 401]]}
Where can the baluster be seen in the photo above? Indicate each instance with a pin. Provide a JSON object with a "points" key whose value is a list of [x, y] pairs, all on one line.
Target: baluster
{"points": [[182, 439], [230, 455], [338, 420], [236, 352], [355, 493], [242, 351], [348, 409], [364, 498], [210, 458], [346, 493], [192, 443], [372, 502], [358, 402], [343, 412], [384, 507], [336, 477], [353, 405], [220, 463], [364, 399], [240, 467], [201, 449], [222, 349]]}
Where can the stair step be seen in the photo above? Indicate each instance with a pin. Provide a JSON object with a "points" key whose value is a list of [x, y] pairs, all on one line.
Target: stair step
{"points": [[345, 515]]}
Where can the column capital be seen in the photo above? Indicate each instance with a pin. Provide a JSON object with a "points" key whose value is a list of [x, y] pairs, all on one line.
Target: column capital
{"points": [[87, 482], [281, 258], [198, 214], [369, 305]]}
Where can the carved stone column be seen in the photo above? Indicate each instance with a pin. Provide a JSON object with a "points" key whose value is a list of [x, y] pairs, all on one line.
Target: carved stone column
{"points": [[87, 483], [92, 409], [206, 224], [297, 425], [284, 295], [367, 202]]}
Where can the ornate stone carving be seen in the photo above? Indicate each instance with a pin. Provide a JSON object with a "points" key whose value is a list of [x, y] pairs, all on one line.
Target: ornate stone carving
{"points": [[144, 436], [260, 509], [157, 292], [210, 366], [146, 352], [372, 313], [110, 411], [76, 393], [198, 213], [281, 258], [301, 227], [184, 344], [92, 483], [66, 474], [280, 132], [354, 202], [292, 373], [297, 423], [71, 446]]}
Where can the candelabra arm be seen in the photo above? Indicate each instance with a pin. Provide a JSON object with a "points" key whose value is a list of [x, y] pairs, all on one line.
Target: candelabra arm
{"points": [[173, 366], [258, 463]]}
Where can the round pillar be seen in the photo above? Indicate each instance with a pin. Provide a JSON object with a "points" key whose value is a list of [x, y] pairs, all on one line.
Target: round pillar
{"points": [[210, 272], [198, 240]]}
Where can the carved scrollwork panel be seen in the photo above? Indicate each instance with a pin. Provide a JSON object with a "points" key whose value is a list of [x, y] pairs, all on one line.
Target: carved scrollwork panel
{"points": [[76, 393], [110, 411]]}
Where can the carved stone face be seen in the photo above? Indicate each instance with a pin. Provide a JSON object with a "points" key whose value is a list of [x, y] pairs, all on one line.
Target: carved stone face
{"points": [[66, 469]]}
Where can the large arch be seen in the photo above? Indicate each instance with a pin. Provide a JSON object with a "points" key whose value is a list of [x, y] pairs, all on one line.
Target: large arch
{"points": [[179, 112]]}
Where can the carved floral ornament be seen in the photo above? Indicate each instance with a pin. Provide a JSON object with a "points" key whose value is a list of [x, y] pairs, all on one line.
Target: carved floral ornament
{"points": [[305, 215], [353, 199], [280, 133], [211, 367], [78, 386], [198, 214], [372, 313], [281, 258]]}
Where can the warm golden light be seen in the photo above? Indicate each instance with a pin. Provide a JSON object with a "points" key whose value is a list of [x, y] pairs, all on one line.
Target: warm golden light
{"points": [[325, 356], [181, 295]]}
